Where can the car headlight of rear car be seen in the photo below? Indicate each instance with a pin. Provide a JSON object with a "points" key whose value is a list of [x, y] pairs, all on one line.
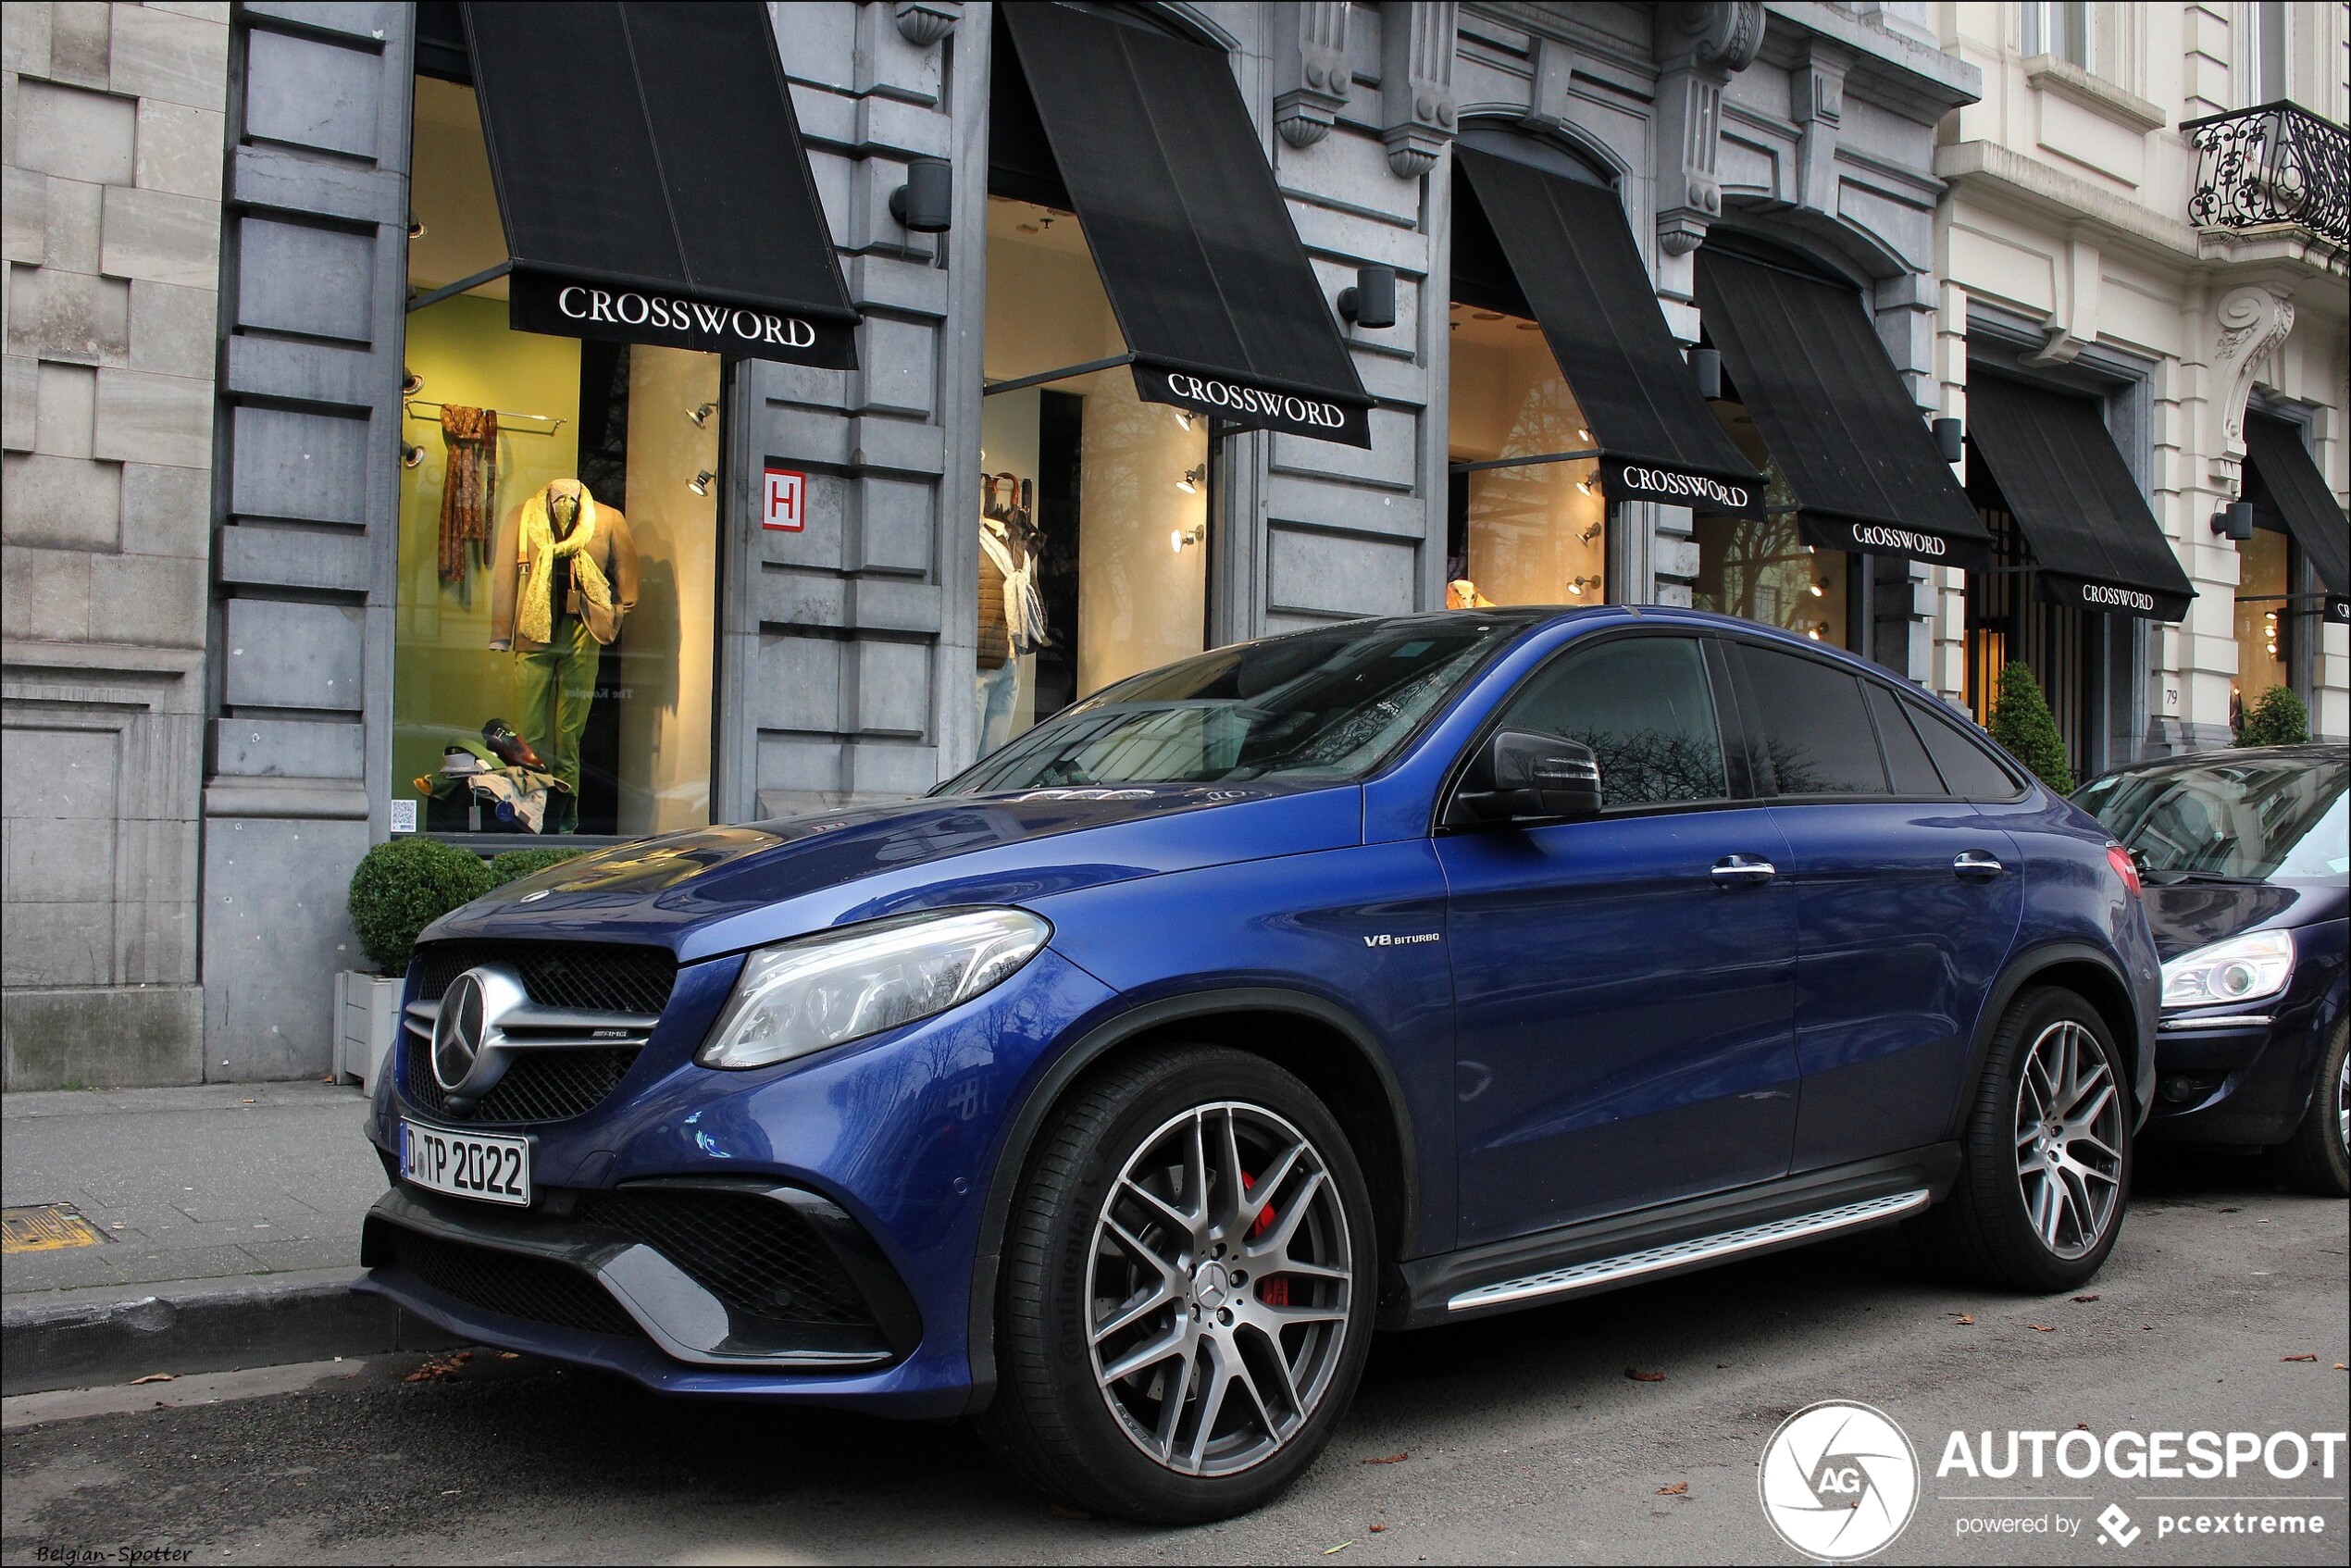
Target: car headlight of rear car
{"points": [[2243, 968], [829, 989]]}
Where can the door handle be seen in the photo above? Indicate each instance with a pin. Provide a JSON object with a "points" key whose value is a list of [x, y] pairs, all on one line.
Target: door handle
{"points": [[1977, 865], [1743, 871]]}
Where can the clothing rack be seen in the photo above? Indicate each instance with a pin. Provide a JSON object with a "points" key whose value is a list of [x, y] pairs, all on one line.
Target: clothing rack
{"points": [[554, 422]]}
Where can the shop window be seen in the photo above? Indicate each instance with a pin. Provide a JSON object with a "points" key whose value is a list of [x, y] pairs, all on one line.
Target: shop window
{"points": [[1518, 531], [559, 508], [1761, 569], [2265, 621], [2008, 622]]}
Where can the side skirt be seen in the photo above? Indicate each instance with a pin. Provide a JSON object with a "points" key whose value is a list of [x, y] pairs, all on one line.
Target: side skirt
{"points": [[1620, 1250]]}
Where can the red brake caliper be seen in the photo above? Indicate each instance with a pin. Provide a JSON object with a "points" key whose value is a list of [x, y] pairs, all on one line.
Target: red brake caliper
{"points": [[1272, 1289]]}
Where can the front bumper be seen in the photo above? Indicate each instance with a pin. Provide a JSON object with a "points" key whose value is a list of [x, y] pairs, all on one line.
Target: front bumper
{"points": [[884, 1149], [2235, 1075]]}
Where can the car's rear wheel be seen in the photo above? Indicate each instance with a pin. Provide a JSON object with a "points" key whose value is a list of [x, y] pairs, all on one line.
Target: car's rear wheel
{"points": [[2046, 1151], [2318, 1157], [1187, 1284]]}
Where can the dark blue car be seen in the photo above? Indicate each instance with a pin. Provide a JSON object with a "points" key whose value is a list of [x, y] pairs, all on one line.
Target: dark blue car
{"points": [[1377, 975], [2247, 854]]}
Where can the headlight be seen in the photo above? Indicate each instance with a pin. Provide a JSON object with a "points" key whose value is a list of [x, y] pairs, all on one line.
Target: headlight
{"points": [[2241, 969], [829, 989]]}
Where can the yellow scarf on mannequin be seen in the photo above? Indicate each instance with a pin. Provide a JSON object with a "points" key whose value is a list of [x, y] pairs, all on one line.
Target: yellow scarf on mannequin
{"points": [[535, 617]]}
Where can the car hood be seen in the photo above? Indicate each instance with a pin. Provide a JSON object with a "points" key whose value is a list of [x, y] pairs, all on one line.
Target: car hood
{"points": [[2186, 915], [717, 890]]}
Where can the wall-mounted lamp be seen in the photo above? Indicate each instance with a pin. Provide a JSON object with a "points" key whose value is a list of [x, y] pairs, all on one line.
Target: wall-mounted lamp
{"points": [[1578, 585], [1593, 532], [700, 484], [701, 415], [2234, 520], [1817, 590], [411, 456], [1193, 478], [1706, 370], [1817, 632], [1180, 540], [415, 227], [1948, 434], [1585, 484], [410, 383], [1371, 302], [1184, 416], [926, 204]]}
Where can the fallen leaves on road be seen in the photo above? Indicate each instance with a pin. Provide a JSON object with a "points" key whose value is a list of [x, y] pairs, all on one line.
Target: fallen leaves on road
{"points": [[510, 1355], [154, 1377], [2042, 1327], [1377, 1528], [2092, 1297], [2341, 1366], [1637, 1376], [2297, 1358], [1386, 1459], [445, 1367], [1341, 1547], [1678, 1489], [1965, 1320]]}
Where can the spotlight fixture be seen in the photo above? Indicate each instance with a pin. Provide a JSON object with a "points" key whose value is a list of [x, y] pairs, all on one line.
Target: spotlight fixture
{"points": [[1180, 540], [1948, 436], [2234, 520], [1183, 416], [1193, 478], [701, 415], [411, 456], [1705, 368], [1371, 303], [1583, 432], [1592, 533], [415, 227], [410, 383], [1815, 633], [926, 204], [700, 484], [1585, 484], [1817, 590], [1578, 585]]}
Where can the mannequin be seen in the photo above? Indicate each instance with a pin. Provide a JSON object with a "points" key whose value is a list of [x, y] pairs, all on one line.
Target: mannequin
{"points": [[564, 576], [1012, 615]]}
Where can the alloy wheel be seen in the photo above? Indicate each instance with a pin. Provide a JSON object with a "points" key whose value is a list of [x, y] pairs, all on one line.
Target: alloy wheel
{"points": [[2069, 1139], [2342, 1104], [1218, 1286]]}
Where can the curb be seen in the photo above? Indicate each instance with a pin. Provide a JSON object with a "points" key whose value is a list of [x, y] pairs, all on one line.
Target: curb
{"points": [[46, 1347]]}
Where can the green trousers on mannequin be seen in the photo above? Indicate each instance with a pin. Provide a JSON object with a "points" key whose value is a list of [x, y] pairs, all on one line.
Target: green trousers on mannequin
{"points": [[558, 685]]}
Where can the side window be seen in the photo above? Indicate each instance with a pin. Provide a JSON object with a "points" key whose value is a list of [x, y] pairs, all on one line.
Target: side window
{"points": [[1813, 728], [1913, 773], [1645, 707], [1966, 767]]}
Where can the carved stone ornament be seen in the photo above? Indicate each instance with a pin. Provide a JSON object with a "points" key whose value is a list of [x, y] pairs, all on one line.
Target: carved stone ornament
{"points": [[2253, 321], [1723, 32], [1310, 51], [1419, 113], [1702, 44], [925, 23]]}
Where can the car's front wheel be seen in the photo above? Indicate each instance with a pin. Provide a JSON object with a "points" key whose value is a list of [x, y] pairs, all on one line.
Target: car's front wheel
{"points": [[2046, 1151], [2318, 1157], [1187, 1284]]}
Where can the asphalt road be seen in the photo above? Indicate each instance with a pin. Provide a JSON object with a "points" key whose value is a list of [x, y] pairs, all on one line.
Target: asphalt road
{"points": [[1522, 1438]]}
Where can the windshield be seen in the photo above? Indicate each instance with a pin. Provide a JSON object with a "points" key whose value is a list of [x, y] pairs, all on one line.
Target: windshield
{"points": [[1311, 707], [2248, 821]]}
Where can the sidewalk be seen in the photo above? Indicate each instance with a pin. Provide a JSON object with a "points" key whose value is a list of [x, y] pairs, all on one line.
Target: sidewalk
{"points": [[230, 1214]]}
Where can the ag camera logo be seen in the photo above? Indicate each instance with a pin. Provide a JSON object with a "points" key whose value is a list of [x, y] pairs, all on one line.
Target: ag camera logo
{"points": [[1838, 1481]]}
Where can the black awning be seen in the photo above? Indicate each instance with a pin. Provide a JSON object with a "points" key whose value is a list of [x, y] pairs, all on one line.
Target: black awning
{"points": [[1840, 425], [2093, 538], [2299, 492], [1573, 255], [1204, 271], [653, 181]]}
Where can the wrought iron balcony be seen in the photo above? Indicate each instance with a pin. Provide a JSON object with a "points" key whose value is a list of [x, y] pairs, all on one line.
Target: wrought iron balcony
{"points": [[2275, 163]]}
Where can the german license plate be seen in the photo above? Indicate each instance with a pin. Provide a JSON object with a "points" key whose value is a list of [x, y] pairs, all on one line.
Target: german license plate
{"points": [[467, 1164]]}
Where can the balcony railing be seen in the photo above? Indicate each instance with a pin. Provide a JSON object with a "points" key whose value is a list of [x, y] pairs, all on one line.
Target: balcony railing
{"points": [[2276, 164]]}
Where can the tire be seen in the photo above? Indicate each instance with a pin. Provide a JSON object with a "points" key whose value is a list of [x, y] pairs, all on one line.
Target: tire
{"points": [[1109, 1240], [2029, 1211], [2315, 1158]]}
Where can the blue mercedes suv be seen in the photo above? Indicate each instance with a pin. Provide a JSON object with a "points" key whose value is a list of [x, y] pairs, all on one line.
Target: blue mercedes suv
{"points": [[1376, 975]]}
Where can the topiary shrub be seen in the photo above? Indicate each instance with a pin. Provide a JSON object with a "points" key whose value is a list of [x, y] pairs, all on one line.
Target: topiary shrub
{"points": [[506, 867], [2276, 719], [2023, 723], [404, 885]]}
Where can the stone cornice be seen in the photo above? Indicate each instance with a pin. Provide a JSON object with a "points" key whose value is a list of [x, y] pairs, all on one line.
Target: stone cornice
{"points": [[1909, 77], [2046, 73]]}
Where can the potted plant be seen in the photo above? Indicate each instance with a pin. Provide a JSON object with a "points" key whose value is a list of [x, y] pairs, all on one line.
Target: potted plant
{"points": [[2275, 718], [402, 886]]}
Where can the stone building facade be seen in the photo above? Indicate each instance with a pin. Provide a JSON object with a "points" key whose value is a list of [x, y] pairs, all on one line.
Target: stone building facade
{"points": [[206, 607], [114, 123]]}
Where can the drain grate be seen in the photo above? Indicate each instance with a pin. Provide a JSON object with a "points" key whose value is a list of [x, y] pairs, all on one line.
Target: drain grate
{"points": [[46, 1227]]}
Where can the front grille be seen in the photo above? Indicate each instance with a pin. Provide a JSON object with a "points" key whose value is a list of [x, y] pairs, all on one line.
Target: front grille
{"points": [[591, 977], [538, 1086], [535, 1290], [758, 1256]]}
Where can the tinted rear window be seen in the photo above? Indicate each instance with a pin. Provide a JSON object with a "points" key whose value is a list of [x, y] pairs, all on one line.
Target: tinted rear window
{"points": [[1913, 773], [1966, 767], [1810, 721]]}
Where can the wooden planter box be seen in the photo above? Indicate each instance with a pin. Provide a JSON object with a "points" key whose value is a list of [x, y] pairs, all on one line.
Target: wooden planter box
{"points": [[367, 1022]]}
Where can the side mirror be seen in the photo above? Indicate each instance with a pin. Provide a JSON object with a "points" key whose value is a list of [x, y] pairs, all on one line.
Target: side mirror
{"points": [[1527, 776]]}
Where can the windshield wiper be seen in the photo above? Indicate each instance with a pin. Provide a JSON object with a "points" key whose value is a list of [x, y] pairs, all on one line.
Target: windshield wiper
{"points": [[2166, 878]]}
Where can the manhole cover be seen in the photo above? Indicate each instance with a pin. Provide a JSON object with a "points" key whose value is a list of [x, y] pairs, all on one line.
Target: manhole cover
{"points": [[45, 1227]]}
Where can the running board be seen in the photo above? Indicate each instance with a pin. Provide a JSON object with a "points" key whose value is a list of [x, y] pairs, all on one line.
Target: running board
{"points": [[1697, 1250]]}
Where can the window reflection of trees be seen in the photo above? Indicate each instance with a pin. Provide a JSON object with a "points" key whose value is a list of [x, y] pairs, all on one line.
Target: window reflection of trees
{"points": [[1654, 767]]}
